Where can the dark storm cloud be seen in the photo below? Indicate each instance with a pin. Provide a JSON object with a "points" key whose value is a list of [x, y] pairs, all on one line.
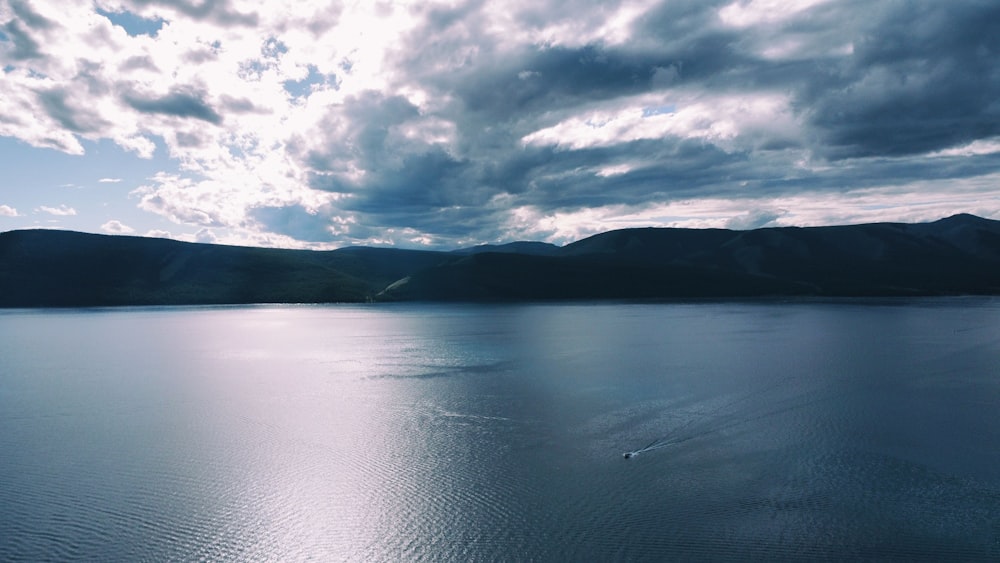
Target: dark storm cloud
{"points": [[871, 90], [400, 172], [502, 95], [552, 76], [178, 104], [677, 43], [416, 185], [923, 77], [368, 118]]}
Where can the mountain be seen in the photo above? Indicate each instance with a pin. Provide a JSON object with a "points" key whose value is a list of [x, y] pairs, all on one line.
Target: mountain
{"points": [[521, 247], [956, 255]]}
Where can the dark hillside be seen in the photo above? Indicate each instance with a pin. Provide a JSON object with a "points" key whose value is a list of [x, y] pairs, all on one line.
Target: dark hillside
{"points": [[522, 247], [505, 277], [956, 255], [56, 268]]}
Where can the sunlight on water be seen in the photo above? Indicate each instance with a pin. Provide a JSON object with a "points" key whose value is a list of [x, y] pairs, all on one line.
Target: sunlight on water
{"points": [[451, 433]]}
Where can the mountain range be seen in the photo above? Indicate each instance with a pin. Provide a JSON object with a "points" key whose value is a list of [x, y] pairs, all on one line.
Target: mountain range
{"points": [[955, 255]]}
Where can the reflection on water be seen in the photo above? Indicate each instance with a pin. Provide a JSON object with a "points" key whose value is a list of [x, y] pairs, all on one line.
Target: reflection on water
{"points": [[804, 430]]}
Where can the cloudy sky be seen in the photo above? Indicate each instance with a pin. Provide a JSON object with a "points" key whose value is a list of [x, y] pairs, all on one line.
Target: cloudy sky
{"points": [[443, 124]]}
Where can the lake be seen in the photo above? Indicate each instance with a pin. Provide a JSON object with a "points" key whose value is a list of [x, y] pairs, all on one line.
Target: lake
{"points": [[849, 429]]}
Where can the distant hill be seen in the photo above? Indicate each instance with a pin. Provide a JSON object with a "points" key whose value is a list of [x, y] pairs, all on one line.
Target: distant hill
{"points": [[46, 268], [956, 255], [532, 248]]}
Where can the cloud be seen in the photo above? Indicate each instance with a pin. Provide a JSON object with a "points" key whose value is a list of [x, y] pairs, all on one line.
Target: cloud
{"points": [[56, 104], [177, 104], [20, 30], [297, 222], [755, 219], [61, 211], [449, 122], [116, 227], [206, 236], [8, 211], [109, 180], [897, 80], [220, 12], [25, 47], [24, 12]]}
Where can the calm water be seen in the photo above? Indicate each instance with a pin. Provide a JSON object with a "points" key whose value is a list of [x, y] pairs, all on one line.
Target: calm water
{"points": [[466, 433]]}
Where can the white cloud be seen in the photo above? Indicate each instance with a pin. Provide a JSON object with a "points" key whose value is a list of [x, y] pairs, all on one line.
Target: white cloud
{"points": [[61, 211], [614, 170], [155, 68], [214, 203], [116, 227], [8, 211], [745, 13], [109, 180], [755, 219], [206, 236], [561, 25], [728, 121], [915, 202], [975, 148]]}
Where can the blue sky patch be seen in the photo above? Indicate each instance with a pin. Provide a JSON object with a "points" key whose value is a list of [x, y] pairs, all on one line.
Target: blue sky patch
{"points": [[658, 110], [300, 88], [132, 24]]}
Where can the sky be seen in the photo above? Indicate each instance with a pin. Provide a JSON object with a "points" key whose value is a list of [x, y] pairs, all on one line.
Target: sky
{"points": [[443, 124]]}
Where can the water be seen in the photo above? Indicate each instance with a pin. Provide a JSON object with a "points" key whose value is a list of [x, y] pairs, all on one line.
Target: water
{"points": [[805, 430]]}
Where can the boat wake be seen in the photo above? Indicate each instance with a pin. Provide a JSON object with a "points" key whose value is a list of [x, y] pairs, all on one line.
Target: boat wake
{"points": [[726, 416]]}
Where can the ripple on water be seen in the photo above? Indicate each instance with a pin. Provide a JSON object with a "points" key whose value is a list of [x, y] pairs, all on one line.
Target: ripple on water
{"points": [[427, 441]]}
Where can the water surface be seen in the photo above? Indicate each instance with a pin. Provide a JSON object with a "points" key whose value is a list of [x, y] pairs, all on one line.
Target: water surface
{"points": [[821, 430]]}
